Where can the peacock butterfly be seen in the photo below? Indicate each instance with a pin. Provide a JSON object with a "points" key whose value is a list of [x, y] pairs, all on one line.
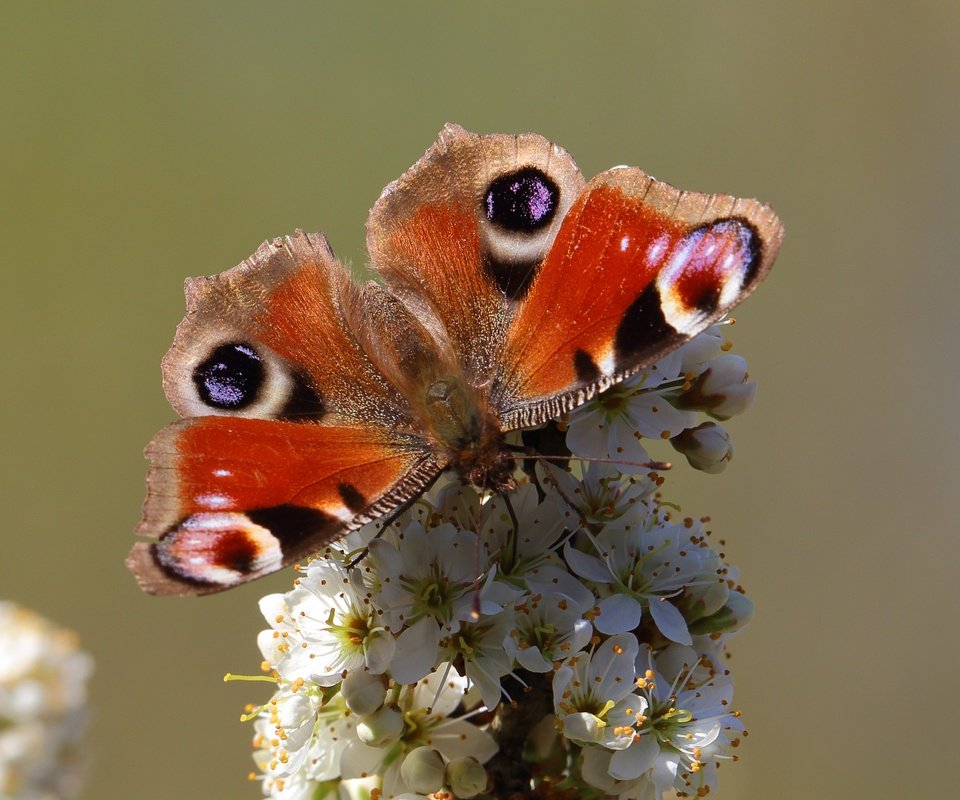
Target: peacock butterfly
{"points": [[513, 291]]}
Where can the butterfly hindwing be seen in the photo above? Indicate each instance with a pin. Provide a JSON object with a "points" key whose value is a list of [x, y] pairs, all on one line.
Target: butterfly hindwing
{"points": [[231, 499], [306, 437], [637, 268]]}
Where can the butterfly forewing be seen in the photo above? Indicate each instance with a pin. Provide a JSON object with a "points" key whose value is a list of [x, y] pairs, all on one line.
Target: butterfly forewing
{"points": [[637, 268], [460, 235]]}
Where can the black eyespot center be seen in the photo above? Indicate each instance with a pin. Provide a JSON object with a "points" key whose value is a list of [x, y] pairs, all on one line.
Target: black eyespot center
{"points": [[231, 376], [522, 201]]}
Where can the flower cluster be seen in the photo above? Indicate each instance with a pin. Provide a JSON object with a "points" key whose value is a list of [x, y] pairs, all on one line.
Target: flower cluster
{"points": [[43, 680], [564, 640]]}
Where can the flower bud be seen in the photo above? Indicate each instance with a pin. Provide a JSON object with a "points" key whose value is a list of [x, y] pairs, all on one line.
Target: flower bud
{"points": [[722, 389], [733, 616], [466, 777], [378, 650], [707, 447], [422, 770], [708, 594], [381, 728], [363, 693], [740, 609]]}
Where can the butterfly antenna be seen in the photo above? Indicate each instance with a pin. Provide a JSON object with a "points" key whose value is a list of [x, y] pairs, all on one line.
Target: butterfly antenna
{"points": [[534, 456], [516, 527], [478, 521]]}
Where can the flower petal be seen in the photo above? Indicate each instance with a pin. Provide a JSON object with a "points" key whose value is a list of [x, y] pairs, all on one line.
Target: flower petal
{"points": [[416, 652], [619, 613], [669, 620], [626, 765]]}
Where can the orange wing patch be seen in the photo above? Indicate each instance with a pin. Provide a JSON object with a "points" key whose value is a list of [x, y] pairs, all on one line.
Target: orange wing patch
{"points": [[637, 268], [231, 499]]}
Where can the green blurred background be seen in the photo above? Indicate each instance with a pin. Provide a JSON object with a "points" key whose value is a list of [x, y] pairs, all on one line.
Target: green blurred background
{"points": [[144, 142]]}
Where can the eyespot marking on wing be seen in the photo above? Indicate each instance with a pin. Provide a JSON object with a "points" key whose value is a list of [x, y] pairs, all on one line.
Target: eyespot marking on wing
{"points": [[522, 201], [225, 548], [234, 376], [231, 377], [519, 213], [218, 548], [707, 271]]}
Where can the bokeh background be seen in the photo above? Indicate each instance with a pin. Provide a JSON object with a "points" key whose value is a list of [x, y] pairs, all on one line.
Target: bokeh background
{"points": [[144, 142]]}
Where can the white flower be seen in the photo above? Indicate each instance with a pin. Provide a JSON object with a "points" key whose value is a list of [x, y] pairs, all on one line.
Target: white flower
{"points": [[594, 697], [426, 708], [599, 495], [428, 576], [480, 645], [430, 582], [326, 627], [547, 629], [686, 730], [638, 569], [301, 736], [521, 553], [525, 562], [43, 694], [612, 425]]}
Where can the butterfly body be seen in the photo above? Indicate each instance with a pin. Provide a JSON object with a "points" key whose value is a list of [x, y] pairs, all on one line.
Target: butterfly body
{"points": [[511, 292], [448, 410]]}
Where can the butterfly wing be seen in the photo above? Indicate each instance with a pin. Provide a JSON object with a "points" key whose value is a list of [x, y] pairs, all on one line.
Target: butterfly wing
{"points": [[274, 337], [636, 269], [459, 237], [233, 498], [294, 434]]}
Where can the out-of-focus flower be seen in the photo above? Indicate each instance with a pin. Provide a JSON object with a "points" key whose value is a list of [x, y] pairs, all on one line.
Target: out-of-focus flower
{"points": [[43, 695]]}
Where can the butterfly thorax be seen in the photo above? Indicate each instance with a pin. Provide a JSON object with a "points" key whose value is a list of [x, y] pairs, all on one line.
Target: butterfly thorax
{"points": [[467, 435]]}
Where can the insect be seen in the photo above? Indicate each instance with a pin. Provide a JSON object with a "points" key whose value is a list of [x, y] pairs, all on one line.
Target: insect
{"points": [[512, 291]]}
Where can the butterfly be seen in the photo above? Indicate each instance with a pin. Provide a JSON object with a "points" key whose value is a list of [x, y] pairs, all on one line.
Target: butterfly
{"points": [[511, 291]]}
